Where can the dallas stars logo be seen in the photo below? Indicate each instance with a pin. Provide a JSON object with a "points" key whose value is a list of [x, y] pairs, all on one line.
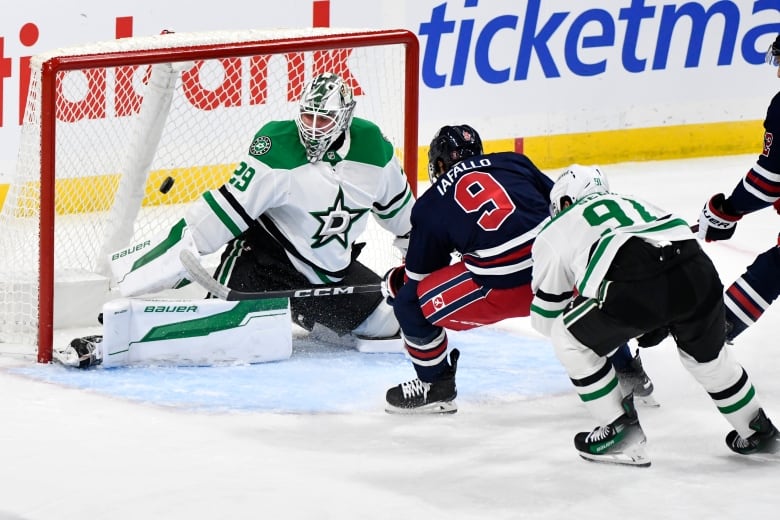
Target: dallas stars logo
{"points": [[335, 222]]}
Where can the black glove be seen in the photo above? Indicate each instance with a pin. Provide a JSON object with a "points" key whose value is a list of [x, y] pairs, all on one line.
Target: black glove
{"points": [[392, 282], [652, 338], [717, 221]]}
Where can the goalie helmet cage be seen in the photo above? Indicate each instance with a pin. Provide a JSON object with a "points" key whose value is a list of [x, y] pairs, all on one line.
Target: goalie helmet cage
{"points": [[107, 123]]}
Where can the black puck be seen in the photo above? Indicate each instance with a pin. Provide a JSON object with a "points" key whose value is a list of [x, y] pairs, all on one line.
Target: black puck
{"points": [[166, 185]]}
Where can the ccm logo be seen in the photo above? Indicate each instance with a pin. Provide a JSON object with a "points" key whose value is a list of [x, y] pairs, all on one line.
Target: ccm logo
{"points": [[323, 291]]}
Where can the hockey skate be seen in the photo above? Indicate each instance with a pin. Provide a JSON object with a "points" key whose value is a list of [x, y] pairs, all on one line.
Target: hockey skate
{"points": [[620, 442], [80, 353], [634, 379], [420, 397], [765, 440]]}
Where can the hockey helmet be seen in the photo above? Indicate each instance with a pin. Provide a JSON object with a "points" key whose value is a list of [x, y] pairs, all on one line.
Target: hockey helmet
{"points": [[325, 111], [575, 183], [450, 145], [773, 53]]}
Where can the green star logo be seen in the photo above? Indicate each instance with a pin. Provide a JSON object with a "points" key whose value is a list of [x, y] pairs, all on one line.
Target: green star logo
{"points": [[335, 222]]}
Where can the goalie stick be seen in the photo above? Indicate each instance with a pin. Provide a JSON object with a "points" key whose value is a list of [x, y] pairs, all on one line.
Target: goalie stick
{"points": [[198, 274]]}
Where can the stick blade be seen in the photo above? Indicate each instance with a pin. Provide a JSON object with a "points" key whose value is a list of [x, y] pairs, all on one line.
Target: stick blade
{"points": [[199, 275]]}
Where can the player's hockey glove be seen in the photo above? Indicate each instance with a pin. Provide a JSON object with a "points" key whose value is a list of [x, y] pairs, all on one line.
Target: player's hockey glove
{"points": [[718, 220], [393, 281]]}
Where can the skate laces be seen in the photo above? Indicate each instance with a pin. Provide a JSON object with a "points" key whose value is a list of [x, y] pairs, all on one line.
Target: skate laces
{"points": [[599, 434], [414, 388], [741, 443]]}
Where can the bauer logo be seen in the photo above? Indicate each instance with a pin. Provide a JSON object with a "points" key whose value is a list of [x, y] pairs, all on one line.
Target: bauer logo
{"points": [[171, 308], [129, 250]]}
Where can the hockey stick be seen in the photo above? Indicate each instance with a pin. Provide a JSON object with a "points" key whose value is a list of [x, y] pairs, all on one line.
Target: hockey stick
{"points": [[198, 274]]}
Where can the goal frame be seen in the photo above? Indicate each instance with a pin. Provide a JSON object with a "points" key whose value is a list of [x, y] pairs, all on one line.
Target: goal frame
{"points": [[51, 67]]}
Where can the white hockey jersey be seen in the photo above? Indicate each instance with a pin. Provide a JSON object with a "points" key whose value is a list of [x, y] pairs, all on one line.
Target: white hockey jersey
{"points": [[575, 249], [316, 211]]}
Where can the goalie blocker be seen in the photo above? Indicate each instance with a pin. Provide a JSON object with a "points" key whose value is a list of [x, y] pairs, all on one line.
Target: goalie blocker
{"points": [[185, 333]]}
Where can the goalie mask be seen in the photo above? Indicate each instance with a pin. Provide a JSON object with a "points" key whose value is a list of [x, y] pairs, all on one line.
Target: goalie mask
{"points": [[449, 146], [773, 53], [325, 112], [575, 183]]}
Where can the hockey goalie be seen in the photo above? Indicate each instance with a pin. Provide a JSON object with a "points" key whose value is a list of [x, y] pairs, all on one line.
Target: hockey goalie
{"points": [[288, 218]]}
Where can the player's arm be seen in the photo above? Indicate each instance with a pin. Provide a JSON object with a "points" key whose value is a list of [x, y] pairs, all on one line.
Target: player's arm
{"points": [[394, 198], [758, 189], [212, 220], [393, 208], [224, 213], [551, 285]]}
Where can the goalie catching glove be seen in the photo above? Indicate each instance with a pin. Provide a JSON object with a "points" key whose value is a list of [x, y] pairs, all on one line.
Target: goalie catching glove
{"points": [[717, 221], [392, 282]]}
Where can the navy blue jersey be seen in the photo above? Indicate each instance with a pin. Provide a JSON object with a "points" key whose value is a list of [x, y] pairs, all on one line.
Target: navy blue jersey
{"points": [[489, 209], [761, 185]]}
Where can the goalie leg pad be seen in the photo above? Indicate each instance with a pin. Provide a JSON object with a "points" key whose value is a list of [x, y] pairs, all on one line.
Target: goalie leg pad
{"points": [[196, 332], [381, 323]]}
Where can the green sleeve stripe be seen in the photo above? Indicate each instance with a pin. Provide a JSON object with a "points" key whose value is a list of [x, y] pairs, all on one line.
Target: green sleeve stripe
{"points": [[594, 260], [578, 311], [221, 214]]}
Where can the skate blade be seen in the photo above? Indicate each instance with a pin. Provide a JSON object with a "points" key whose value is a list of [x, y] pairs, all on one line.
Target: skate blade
{"points": [[637, 457], [769, 451], [445, 407], [646, 400]]}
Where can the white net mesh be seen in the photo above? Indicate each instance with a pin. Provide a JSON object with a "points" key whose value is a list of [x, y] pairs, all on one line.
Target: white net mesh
{"points": [[106, 148]]}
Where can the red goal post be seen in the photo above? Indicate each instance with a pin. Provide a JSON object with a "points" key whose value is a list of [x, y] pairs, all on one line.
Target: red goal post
{"points": [[105, 123]]}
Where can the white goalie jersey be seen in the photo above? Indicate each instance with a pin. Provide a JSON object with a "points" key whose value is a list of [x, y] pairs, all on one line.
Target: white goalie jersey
{"points": [[314, 210]]}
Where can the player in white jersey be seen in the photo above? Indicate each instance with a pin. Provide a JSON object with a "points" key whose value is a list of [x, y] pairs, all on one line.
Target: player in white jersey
{"points": [[637, 269], [289, 217]]}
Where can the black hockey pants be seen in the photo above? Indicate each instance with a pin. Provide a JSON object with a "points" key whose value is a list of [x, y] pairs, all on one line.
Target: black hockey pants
{"points": [[648, 288]]}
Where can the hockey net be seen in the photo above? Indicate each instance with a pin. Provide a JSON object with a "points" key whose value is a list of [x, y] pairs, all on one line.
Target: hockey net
{"points": [[107, 123]]}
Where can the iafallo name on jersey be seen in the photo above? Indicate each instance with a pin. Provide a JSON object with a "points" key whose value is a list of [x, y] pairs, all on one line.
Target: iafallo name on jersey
{"points": [[449, 178]]}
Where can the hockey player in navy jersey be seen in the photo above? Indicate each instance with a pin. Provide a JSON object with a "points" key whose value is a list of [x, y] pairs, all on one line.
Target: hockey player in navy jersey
{"points": [[487, 209], [753, 292]]}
